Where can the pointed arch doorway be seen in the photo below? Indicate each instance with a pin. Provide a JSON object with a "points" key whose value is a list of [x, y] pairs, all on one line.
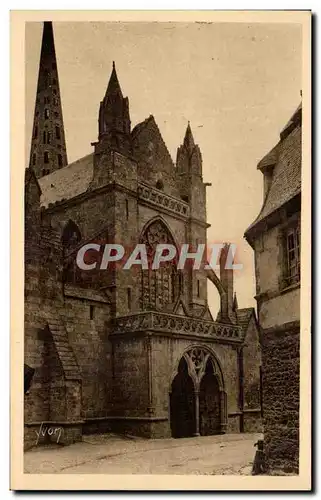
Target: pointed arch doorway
{"points": [[209, 403], [182, 403], [197, 396]]}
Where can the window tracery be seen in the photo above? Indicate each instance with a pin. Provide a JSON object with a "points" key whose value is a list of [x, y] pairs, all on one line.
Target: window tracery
{"points": [[160, 287]]}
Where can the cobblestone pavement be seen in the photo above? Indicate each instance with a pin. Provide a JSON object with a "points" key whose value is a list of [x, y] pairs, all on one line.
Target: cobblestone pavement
{"points": [[111, 454]]}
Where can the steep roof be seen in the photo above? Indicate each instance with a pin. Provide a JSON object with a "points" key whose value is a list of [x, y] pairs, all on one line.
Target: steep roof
{"points": [[67, 182], [270, 159], [295, 118], [286, 178]]}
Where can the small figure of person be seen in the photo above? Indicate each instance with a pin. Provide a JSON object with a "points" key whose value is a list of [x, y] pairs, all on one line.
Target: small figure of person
{"points": [[258, 464]]}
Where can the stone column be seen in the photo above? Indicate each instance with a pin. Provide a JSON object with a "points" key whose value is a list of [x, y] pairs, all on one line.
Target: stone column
{"points": [[150, 408], [223, 401], [197, 413]]}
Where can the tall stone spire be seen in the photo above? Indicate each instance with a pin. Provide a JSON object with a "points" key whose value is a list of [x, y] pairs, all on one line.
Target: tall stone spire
{"points": [[48, 146], [114, 119]]}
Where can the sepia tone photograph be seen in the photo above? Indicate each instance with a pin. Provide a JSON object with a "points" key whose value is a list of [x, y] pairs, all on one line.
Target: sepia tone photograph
{"points": [[162, 229]]}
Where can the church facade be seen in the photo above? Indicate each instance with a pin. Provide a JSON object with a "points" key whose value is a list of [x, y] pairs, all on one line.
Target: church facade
{"points": [[137, 351]]}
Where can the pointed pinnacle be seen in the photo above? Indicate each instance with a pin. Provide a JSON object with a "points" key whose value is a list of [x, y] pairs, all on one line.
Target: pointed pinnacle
{"points": [[189, 139], [235, 303], [48, 44], [113, 84]]}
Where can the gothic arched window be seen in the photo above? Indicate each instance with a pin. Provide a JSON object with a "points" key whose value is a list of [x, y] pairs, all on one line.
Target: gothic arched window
{"points": [[71, 236], [159, 287]]}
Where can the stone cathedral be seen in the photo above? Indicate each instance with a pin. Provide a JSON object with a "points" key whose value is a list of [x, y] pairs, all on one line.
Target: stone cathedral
{"points": [[134, 352]]}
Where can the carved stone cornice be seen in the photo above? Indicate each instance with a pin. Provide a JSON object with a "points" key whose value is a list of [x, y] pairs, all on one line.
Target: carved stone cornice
{"points": [[160, 199], [176, 325]]}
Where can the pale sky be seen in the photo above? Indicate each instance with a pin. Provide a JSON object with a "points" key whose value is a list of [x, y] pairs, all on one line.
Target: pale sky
{"points": [[238, 84]]}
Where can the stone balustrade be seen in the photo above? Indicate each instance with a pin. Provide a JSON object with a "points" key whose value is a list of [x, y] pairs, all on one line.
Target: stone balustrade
{"points": [[158, 198], [176, 324]]}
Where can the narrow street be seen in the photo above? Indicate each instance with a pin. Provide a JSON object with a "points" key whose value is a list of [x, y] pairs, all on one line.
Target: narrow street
{"points": [[111, 454]]}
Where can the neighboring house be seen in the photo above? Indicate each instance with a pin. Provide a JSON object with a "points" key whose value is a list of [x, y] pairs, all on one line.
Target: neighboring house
{"points": [[126, 351], [275, 238]]}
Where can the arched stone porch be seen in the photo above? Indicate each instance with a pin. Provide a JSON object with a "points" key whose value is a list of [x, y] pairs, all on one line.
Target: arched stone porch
{"points": [[197, 395]]}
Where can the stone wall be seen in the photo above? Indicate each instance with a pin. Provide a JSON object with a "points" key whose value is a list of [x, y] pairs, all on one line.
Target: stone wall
{"points": [[281, 373], [87, 326], [131, 394], [251, 367]]}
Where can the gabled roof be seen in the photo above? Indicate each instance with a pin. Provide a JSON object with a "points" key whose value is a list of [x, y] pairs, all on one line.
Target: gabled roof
{"points": [[67, 182], [286, 177], [140, 126], [150, 126]]}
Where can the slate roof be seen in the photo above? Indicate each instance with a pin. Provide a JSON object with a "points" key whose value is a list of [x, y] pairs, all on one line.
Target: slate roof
{"points": [[286, 180], [292, 120], [270, 159], [67, 182]]}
